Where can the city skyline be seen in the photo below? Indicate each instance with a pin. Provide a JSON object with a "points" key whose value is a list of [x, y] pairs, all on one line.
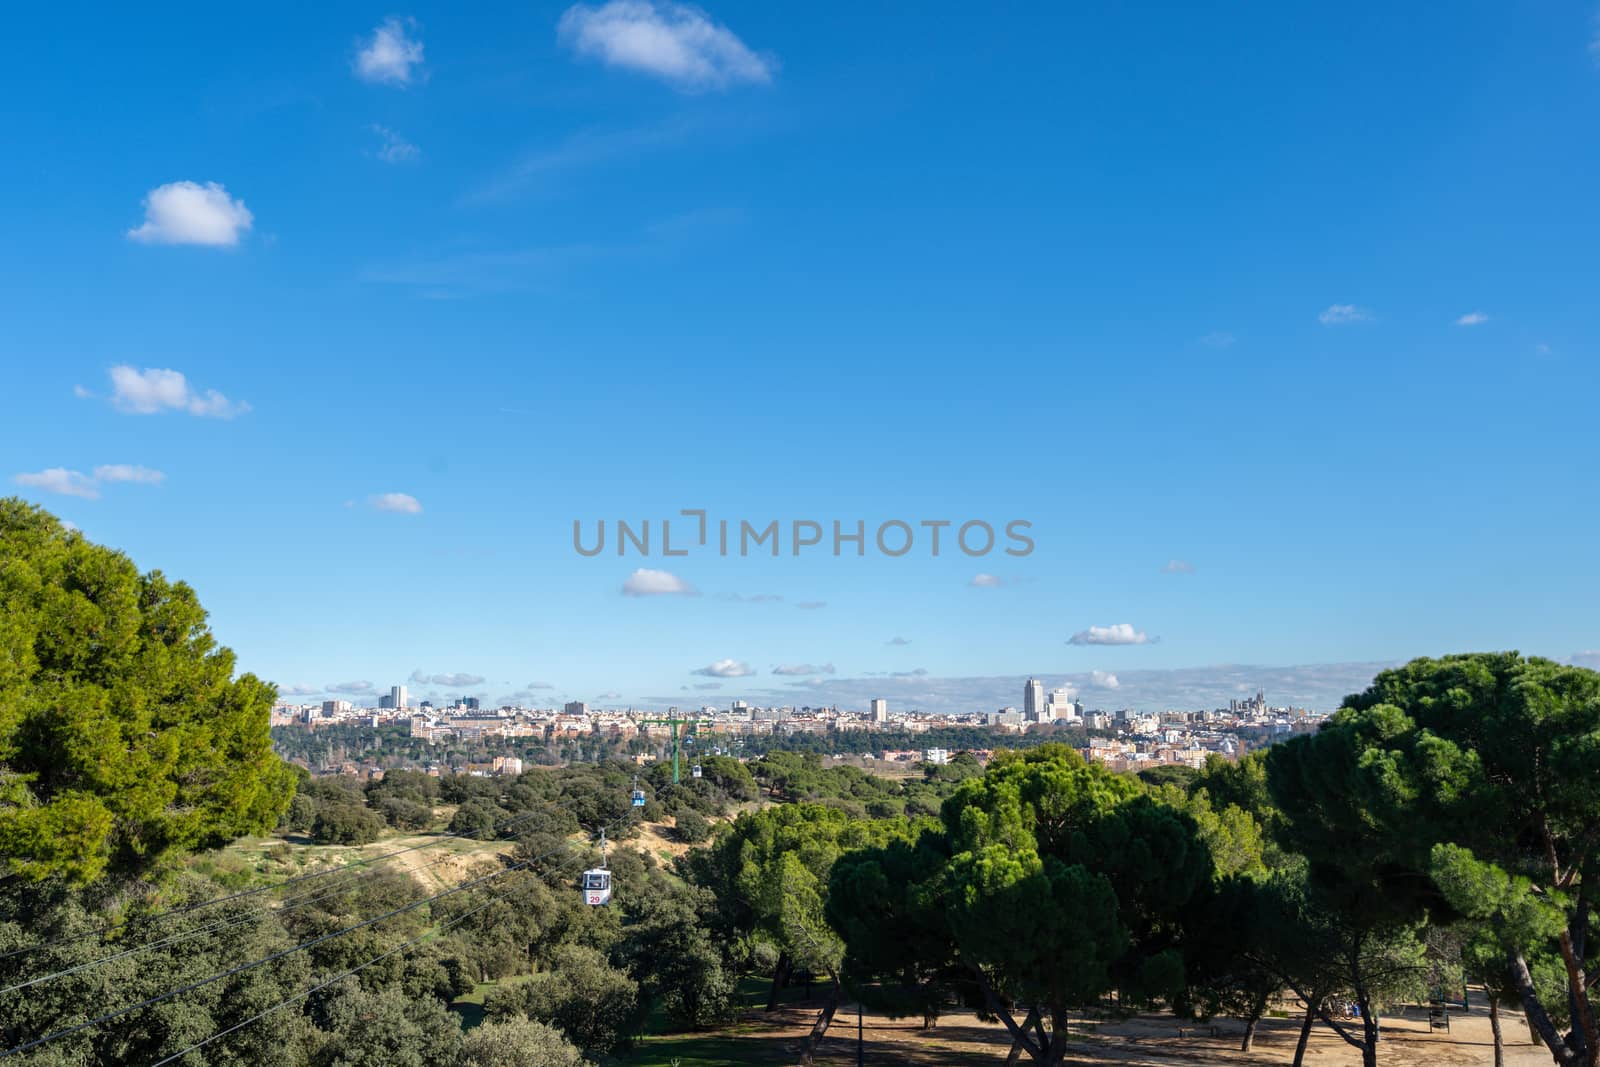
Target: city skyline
{"points": [[349, 317]]}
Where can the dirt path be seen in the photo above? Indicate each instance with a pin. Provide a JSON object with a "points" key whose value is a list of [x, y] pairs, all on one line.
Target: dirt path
{"points": [[1150, 1041]]}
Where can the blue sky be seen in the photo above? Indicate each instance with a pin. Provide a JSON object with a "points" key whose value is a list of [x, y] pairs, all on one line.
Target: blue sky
{"points": [[1302, 300]]}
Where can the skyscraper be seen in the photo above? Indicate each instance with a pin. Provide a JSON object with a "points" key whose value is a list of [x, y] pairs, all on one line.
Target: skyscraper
{"points": [[880, 710], [1033, 700], [397, 697]]}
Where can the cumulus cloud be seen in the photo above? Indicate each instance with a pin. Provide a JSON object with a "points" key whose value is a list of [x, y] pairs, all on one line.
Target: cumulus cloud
{"points": [[402, 503], [188, 213], [392, 55], [394, 148], [298, 690], [1104, 680], [128, 472], [674, 42], [155, 390], [351, 688], [1121, 633], [451, 681], [811, 605], [897, 641], [987, 581], [87, 486], [725, 668], [1472, 318], [803, 668], [1343, 315], [647, 582], [1218, 339], [1177, 566], [62, 481]]}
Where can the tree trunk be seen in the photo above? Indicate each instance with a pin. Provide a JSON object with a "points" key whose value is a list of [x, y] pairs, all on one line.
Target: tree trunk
{"points": [[1494, 1027], [1249, 1034], [1369, 1034], [1305, 1035], [808, 1055], [780, 977], [1016, 1042]]}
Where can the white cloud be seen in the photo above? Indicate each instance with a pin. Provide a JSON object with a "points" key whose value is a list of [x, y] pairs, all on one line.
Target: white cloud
{"points": [[725, 668], [803, 668], [391, 55], [1121, 633], [811, 605], [402, 503], [188, 213], [987, 581], [1343, 315], [395, 149], [1103, 680], [1472, 318], [350, 688], [81, 393], [76, 483], [541, 685], [1177, 566], [452, 681], [127, 472], [297, 691], [675, 42], [154, 390], [646, 582], [60, 480], [1218, 339]]}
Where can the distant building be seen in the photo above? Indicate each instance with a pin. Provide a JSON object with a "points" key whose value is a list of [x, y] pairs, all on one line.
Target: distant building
{"points": [[937, 756], [576, 707], [471, 704], [507, 765], [385, 703], [1033, 700], [397, 697], [880, 710]]}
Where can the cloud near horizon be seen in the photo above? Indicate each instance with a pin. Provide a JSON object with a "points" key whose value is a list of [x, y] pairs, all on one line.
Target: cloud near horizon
{"points": [[801, 669], [725, 668], [449, 681], [1121, 633], [647, 582]]}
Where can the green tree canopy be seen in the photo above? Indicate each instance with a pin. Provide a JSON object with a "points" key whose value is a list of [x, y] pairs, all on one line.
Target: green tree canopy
{"points": [[125, 738]]}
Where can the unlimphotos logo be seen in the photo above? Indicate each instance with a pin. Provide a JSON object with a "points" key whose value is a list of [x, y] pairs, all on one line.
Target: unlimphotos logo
{"points": [[741, 537]]}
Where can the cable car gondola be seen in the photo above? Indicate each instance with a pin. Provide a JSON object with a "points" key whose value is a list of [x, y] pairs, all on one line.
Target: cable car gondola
{"points": [[694, 772], [596, 881], [638, 794]]}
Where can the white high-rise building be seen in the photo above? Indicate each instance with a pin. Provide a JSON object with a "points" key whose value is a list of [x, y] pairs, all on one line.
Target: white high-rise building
{"points": [[880, 710], [1060, 705], [1033, 700], [397, 697]]}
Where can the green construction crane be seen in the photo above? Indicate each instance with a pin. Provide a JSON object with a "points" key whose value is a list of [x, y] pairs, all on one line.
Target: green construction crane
{"points": [[673, 721]]}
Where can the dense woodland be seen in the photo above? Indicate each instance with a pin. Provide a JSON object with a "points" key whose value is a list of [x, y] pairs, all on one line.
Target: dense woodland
{"points": [[1442, 829]]}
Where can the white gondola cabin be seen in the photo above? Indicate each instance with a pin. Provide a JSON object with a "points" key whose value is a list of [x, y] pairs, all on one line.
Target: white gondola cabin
{"points": [[638, 798], [694, 772], [596, 885]]}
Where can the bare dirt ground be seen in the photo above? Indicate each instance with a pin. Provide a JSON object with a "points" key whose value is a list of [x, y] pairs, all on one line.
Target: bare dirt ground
{"points": [[1144, 1041]]}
